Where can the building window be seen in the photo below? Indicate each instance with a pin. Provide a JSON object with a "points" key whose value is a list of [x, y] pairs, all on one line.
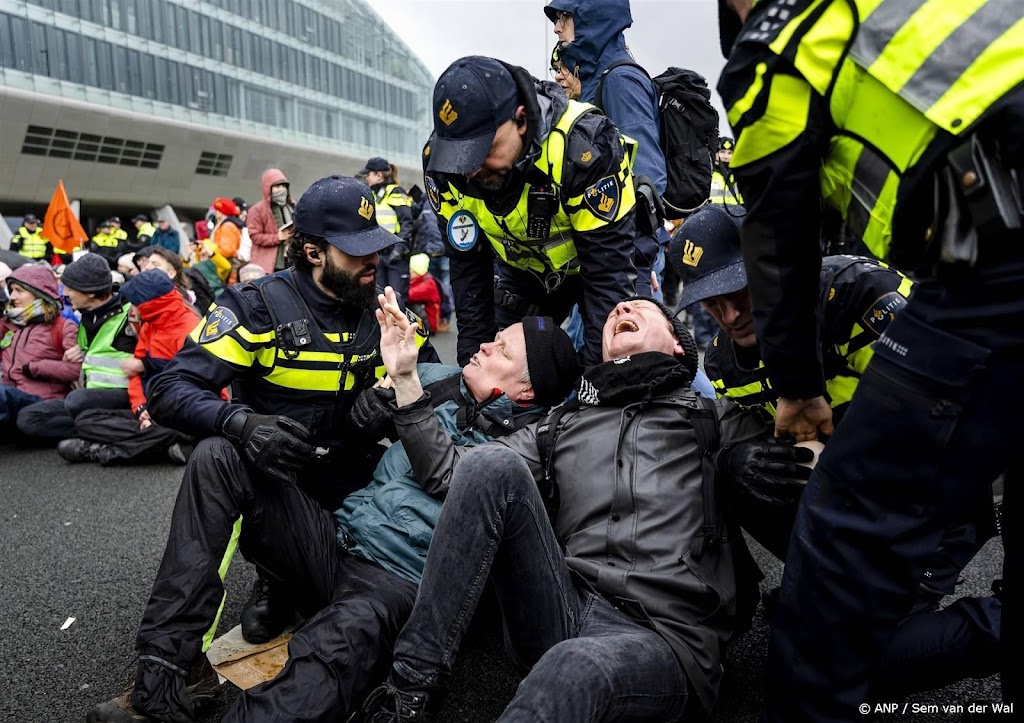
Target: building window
{"points": [[213, 164], [62, 143]]}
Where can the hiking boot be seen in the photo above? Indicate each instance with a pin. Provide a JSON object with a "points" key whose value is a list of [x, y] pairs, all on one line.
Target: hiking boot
{"points": [[179, 452], [388, 704], [201, 687], [267, 613], [78, 450]]}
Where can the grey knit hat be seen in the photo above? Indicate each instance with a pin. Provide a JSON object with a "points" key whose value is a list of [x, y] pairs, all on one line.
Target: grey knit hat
{"points": [[90, 275]]}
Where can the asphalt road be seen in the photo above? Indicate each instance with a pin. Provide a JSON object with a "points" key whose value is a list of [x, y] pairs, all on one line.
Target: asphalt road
{"points": [[84, 542]]}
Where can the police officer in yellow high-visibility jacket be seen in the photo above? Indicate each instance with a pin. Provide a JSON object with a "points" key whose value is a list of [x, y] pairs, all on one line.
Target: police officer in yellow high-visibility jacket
{"points": [[723, 185], [534, 188], [29, 241], [394, 212], [906, 119], [297, 347]]}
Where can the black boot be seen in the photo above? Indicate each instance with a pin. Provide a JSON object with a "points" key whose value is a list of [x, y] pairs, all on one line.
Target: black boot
{"points": [[78, 450], [268, 613], [390, 704], [167, 694]]}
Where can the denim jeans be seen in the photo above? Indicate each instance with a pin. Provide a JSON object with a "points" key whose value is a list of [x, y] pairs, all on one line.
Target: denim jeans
{"points": [[588, 660], [12, 401], [439, 269]]}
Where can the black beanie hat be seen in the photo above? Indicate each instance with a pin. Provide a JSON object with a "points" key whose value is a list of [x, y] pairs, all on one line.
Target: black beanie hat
{"points": [[551, 359], [90, 275], [690, 358]]}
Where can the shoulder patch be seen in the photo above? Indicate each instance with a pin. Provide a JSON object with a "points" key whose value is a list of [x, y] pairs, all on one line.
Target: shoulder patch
{"points": [[218, 323], [603, 198], [883, 311], [463, 230], [582, 152], [433, 193]]}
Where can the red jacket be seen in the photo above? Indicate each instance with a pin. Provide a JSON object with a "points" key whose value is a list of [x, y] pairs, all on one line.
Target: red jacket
{"points": [[166, 321], [261, 224], [424, 290]]}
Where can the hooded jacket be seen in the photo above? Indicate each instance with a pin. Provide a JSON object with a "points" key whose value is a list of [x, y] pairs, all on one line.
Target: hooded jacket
{"points": [[628, 94], [260, 222], [37, 345], [391, 520], [166, 321]]}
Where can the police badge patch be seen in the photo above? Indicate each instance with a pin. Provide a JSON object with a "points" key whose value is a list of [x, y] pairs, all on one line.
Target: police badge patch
{"points": [[433, 194], [603, 198], [219, 322], [883, 311], [463, 230]]}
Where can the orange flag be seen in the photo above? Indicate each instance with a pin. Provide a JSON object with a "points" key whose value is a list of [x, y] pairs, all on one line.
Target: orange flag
{"points": [[60, 227]]}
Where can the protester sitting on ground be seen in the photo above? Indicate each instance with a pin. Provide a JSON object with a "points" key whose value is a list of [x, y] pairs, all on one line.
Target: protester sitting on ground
{"points": [[105, 339], [157, 257], [39, 355], [129, 436], [859, 297], [623, 601]]}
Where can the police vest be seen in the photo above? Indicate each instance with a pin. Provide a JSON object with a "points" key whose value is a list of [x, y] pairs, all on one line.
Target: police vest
{"points": [[105, 240], [845, 352], [723, 190], [101, 366], [146, 229], [297, 368], [554, 250], [387, 200], [33, 245], [119, 234], [905, 74]]}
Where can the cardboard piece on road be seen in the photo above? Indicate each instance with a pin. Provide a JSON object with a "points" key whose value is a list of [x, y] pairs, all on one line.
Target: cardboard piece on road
{"points": [[245, 664]]}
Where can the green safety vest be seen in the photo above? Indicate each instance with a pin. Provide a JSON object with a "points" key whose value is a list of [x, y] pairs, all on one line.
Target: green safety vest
{"points": [[724, 190], [105, 240], [101, 367], [896, 74], [146, 229], [557, 251], [387, 200], [33, 245]]}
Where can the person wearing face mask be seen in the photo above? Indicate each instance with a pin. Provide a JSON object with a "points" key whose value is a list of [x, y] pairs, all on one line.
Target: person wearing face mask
{"points": [[269, 221], [39, 354], [394, 212], [536, 188]]}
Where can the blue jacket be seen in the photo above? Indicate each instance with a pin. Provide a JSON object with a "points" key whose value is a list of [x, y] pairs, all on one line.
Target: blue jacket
{"points": [[168, 239], [391, 520], [628, 94]]}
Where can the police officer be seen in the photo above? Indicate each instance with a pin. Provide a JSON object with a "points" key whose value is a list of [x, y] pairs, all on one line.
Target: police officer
{"points": [[906, 119], [296, 347], [535, 188], [858, 298], [723, 184], [29, 241], [394, 213], [105, 243], [144, 231]]}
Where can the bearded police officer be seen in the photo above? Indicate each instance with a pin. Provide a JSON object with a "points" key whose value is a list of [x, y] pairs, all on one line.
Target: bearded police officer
{"points": [[297, 347], [534, 187], [906, 120]]}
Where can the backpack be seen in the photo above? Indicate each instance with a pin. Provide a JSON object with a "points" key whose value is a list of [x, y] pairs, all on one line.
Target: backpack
{"points": [[688, 134]]}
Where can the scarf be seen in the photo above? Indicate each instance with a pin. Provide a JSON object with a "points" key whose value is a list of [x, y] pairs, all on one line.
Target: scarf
{"points": [[635, 378], [22, 316]]}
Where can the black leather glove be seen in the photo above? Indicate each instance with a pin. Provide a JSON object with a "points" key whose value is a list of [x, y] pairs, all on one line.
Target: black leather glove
{"points": [[399, 252], [277, 446], [371, 413], [765, 469]]}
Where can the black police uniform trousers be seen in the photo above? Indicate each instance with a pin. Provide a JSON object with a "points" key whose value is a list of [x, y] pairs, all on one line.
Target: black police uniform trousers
{"points": [[355, 609], [933, 423]]}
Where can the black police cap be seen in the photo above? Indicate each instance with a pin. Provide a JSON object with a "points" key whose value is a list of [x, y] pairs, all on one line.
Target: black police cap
{"points": [[706, 253], [342, 210]]}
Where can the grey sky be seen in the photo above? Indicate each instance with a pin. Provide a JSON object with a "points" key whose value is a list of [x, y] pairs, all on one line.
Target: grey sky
{"points": [[664, 33]]}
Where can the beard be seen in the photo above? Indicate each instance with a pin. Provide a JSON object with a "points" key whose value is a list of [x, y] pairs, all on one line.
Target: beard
{"points": [[491, 180], [347, 287]]}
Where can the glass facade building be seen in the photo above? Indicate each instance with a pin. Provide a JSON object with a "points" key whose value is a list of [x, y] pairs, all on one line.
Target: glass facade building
{"points": [[312, 73]]}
